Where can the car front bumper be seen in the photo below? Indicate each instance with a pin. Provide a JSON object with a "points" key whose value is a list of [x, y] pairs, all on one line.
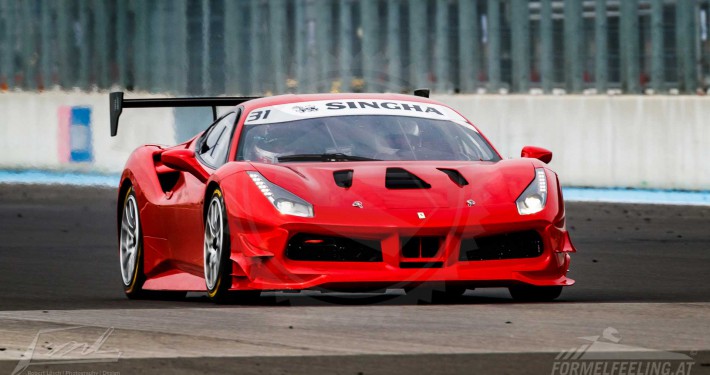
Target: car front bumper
{"points": [[260, 260]]}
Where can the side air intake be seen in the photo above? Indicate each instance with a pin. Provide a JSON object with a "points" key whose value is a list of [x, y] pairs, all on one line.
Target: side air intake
{"points": [[398, 178], [343, 178], [516, 245], [455, 176]]}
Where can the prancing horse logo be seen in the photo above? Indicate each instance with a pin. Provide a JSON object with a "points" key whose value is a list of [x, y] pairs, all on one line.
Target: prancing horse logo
{"points": [[306, 108]]}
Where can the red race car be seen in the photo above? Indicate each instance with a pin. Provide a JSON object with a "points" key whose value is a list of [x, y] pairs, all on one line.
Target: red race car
{"points": [[337, 192]]}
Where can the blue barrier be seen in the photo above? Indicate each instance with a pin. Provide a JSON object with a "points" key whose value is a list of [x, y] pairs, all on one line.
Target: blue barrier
{"points": [[571, 194]]}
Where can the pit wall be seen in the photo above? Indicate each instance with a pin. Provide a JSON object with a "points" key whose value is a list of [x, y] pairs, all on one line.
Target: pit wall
{"points": [[601, 141], [36, 132], [660, 142]]}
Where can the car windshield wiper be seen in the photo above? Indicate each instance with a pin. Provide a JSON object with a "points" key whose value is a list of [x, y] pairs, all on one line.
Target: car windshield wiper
{"points": [[324, 157]]}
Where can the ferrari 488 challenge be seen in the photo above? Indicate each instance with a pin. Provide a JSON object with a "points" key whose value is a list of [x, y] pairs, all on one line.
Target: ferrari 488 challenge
{"points": [[337, 192]]}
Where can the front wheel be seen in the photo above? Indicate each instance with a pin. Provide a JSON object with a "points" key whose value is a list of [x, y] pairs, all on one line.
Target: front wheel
{"points": [[530, 293], [217, 251]]}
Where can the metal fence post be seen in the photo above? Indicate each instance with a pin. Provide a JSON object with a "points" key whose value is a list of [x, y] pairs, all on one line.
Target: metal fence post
{"points": [[573, 45], [520, 24], [64, 32], [418, 43], [657, 63], [300, 39], [494, 61], [324, 44], [4, 46], [46, 57], [441, 46], [122, 44], [206, 45], [394, 59], [231, 46], [469, 45], [13, 35], [28, 47], [346, 45], [158, 48], [311, 62], [256, 52], [101, 44], [547, 51], [237, 69], [681, 41], [277, 25], [685, 45], [140, 47], [84, 46], [179, 58], [601, 59], [629, 46], [370, 45]]}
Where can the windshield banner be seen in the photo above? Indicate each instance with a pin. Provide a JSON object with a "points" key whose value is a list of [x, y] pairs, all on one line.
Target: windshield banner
{"points": [[350, 107]]}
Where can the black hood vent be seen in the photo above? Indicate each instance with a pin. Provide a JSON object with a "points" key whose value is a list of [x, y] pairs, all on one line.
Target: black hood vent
{"points": [[343, 178], [398, 178], [455, 176]]}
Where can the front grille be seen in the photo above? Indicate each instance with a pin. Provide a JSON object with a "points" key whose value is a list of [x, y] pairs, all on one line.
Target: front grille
{"points": [[314, 247], [421, 247], [421, 264], [527, 244]]}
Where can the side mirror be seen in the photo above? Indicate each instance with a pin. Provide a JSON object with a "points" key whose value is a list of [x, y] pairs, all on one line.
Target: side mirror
{"points": [[539, 153], [184, 160]]}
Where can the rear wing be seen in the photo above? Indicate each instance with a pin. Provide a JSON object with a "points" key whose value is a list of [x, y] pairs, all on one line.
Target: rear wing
{"points": [[117, 103]]}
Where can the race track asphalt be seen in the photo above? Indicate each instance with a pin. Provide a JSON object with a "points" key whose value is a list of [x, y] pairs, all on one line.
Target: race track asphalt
{"points": [[643, 270]]}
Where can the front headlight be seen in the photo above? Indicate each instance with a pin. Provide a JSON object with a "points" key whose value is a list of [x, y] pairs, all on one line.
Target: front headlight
{"points": [[533, 199], [285, 202]]}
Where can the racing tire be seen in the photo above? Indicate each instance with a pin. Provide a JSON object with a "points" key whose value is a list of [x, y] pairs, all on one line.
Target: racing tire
{"points": [[131, 247], [530, 293], [131, 254], [217, 251]]}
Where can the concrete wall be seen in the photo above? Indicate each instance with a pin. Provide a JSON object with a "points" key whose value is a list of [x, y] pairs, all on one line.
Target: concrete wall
{"points": [[30, 136], [603, 141], [622, 141]]}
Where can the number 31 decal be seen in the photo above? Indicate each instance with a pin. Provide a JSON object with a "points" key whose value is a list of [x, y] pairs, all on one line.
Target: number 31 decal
{"points": [[258, 115]]}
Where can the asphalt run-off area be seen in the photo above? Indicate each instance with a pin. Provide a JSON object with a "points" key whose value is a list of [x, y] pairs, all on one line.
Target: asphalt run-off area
{"points": [[642, 297]]}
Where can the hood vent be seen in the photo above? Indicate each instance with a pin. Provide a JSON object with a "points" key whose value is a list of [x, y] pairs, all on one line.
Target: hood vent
{"points": [[455, 176], [343, 178], [398, 178]]}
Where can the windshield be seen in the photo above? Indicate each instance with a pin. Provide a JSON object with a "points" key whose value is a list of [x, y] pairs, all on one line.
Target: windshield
{"points": [[363, 137]]}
